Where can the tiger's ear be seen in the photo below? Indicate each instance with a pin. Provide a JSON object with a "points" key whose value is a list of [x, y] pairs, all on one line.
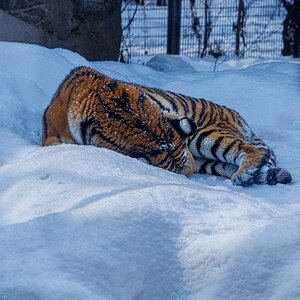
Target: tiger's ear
{"points": [[185, 126]]}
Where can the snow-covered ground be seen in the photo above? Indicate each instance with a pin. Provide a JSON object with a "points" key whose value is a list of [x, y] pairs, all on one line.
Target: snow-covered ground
{"points": [[79, 222]]}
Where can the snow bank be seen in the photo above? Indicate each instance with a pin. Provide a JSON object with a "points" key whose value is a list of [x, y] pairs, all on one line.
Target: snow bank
{"points": [[78, 222]]}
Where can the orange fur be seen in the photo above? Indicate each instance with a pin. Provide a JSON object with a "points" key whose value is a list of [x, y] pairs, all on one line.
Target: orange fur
{"points": [[90, 108]]}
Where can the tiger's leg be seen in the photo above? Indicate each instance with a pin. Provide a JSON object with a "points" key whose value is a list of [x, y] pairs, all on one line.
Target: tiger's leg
{"points": [[214, 167], [217, 145], [267, 174], [257, 142], [270, 173], [224, 158]]}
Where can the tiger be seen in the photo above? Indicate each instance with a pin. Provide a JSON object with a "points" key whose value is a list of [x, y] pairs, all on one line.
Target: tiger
{"points": [[178, 133]]}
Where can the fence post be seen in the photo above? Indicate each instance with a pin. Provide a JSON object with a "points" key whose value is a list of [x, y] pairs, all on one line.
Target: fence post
{"points": [[174, 22], [239, 26], [291, 28], [297, 29], [207, 27]]}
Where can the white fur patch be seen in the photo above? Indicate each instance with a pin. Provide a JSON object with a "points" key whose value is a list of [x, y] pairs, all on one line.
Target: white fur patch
{"points": [[185, 126], [194, 150], [74, 126]]}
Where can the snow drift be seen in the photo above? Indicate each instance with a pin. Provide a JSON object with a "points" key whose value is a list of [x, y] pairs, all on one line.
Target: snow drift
{"points": [[79, 222]]}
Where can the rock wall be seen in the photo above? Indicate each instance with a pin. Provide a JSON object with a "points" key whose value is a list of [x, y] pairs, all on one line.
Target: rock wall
{"points": [[89, 27]]}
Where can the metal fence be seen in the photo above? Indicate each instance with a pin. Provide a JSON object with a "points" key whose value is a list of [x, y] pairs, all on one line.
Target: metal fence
{"points": [[144, 29], [248, 28]]}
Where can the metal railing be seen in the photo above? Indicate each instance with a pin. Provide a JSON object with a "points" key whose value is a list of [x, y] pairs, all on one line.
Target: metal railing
{"points": [[243, 28]]}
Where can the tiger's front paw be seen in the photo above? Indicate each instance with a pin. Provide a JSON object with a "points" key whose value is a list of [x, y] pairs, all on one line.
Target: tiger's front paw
{"points": [[245, 179], [251, 164]]}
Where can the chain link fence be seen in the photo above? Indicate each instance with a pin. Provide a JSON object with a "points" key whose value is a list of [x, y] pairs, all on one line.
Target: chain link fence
{"points": [[243, 28]]}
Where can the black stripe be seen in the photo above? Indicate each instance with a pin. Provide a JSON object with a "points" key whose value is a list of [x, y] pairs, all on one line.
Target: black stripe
{"points": [[208, 117], [165, 159], [233, 115], [173, 167], [178, 157], [214, 106], [112, 113], [112, 85], [158, 103], [45, 123], [185, 100], [213, 168], [169, 98], [123, 102], [139, 123], [203, 167], [215, 147], [238, 152], [117, 147], [83, 129], [193, 103], [211, 114], [202, 136], [203, 112], [273, 161], [91, 126], [203, 118], [240, 120], [214, 116], [227, 149], [182, 99], [161, 128], [95, 127], [221, 111], [168, 165]]}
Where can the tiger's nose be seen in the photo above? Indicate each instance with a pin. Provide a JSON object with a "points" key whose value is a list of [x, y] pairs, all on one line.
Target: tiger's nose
{"points": [[189, 166]]}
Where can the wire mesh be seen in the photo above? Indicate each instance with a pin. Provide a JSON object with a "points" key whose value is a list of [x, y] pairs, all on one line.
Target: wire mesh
{"points": [[244, 28], [144, 29]]}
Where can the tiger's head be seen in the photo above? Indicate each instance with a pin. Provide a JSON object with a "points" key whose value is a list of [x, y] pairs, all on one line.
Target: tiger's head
{"points": [[151, 136]]}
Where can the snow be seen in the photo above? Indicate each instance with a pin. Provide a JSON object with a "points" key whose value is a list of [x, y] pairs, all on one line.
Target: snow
{"points": [[79, 222]]}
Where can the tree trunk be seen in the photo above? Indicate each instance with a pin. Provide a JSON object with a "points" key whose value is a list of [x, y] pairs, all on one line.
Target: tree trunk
{"points": [[297, 29], [291, 29]]}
